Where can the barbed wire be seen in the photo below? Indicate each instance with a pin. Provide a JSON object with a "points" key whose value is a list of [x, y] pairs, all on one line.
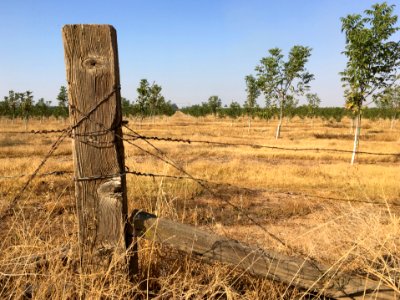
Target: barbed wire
{"points": [[138, 136], [153, 175], [43, 131], [191, 141], [55, 173]]}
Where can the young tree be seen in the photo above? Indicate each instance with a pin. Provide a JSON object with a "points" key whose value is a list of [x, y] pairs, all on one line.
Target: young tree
{"points": [[150, 101], [234, 111], [126, 107], [372, 58], [143, 97], [156, 100], [13, 103], [4, 108], [214, 102], [390, 100], [42, 109], [280, 80], [313, 102], [253, 92], [290, 107], [62, 98], [26, 100]]}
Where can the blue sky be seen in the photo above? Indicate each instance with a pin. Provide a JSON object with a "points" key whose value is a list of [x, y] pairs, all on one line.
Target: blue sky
{"points": [[193, 49]]}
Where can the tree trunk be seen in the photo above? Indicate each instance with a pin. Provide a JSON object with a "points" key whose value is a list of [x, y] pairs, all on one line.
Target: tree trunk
{"points": [[249, 124], [278, 129], [356, 138]]}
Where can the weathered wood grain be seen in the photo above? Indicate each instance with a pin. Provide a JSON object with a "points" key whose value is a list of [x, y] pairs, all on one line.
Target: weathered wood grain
{"points": [[297, 272], [92, 69]]}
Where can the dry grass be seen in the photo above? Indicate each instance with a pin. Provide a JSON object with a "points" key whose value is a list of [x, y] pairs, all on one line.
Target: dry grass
{"points": [[280, 189]]}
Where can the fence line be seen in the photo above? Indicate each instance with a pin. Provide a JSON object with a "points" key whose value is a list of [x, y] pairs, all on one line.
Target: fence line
{"points": [[55, 173], [138, 136], [44, 131], [161, 155]]}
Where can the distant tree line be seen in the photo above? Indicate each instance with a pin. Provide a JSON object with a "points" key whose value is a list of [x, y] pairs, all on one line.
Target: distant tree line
{"points": [[311, 110], [23, 105], [149, 103]]}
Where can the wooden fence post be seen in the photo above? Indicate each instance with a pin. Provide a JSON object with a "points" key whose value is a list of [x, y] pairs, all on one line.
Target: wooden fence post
{"points": [[91, 59]]}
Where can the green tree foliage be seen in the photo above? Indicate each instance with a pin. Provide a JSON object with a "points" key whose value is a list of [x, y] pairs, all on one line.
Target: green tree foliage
{"points": [[12, 103], [150, 101], [62, 98], [214, 103], [253, 92], [26, 100], [42, 108], [290, 106], [313, 102], [372, 57], [389, 100], [143, 97], [281, 80], [197, 110], [156, 100], [127, 108], [234, 111]]}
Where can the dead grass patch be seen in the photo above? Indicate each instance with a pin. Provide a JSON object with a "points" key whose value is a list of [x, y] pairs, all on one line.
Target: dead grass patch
{"points": [[277, 188]]}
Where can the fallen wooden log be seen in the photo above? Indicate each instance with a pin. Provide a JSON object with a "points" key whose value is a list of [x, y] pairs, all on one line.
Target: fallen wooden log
{"points": [[301, 273]]}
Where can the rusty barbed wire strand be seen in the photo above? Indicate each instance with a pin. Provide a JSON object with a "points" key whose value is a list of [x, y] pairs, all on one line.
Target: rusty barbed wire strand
{"points": [[153, 175], [138, 136], [191, 141], [43, 131], [55, 173], [94, 108]]}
